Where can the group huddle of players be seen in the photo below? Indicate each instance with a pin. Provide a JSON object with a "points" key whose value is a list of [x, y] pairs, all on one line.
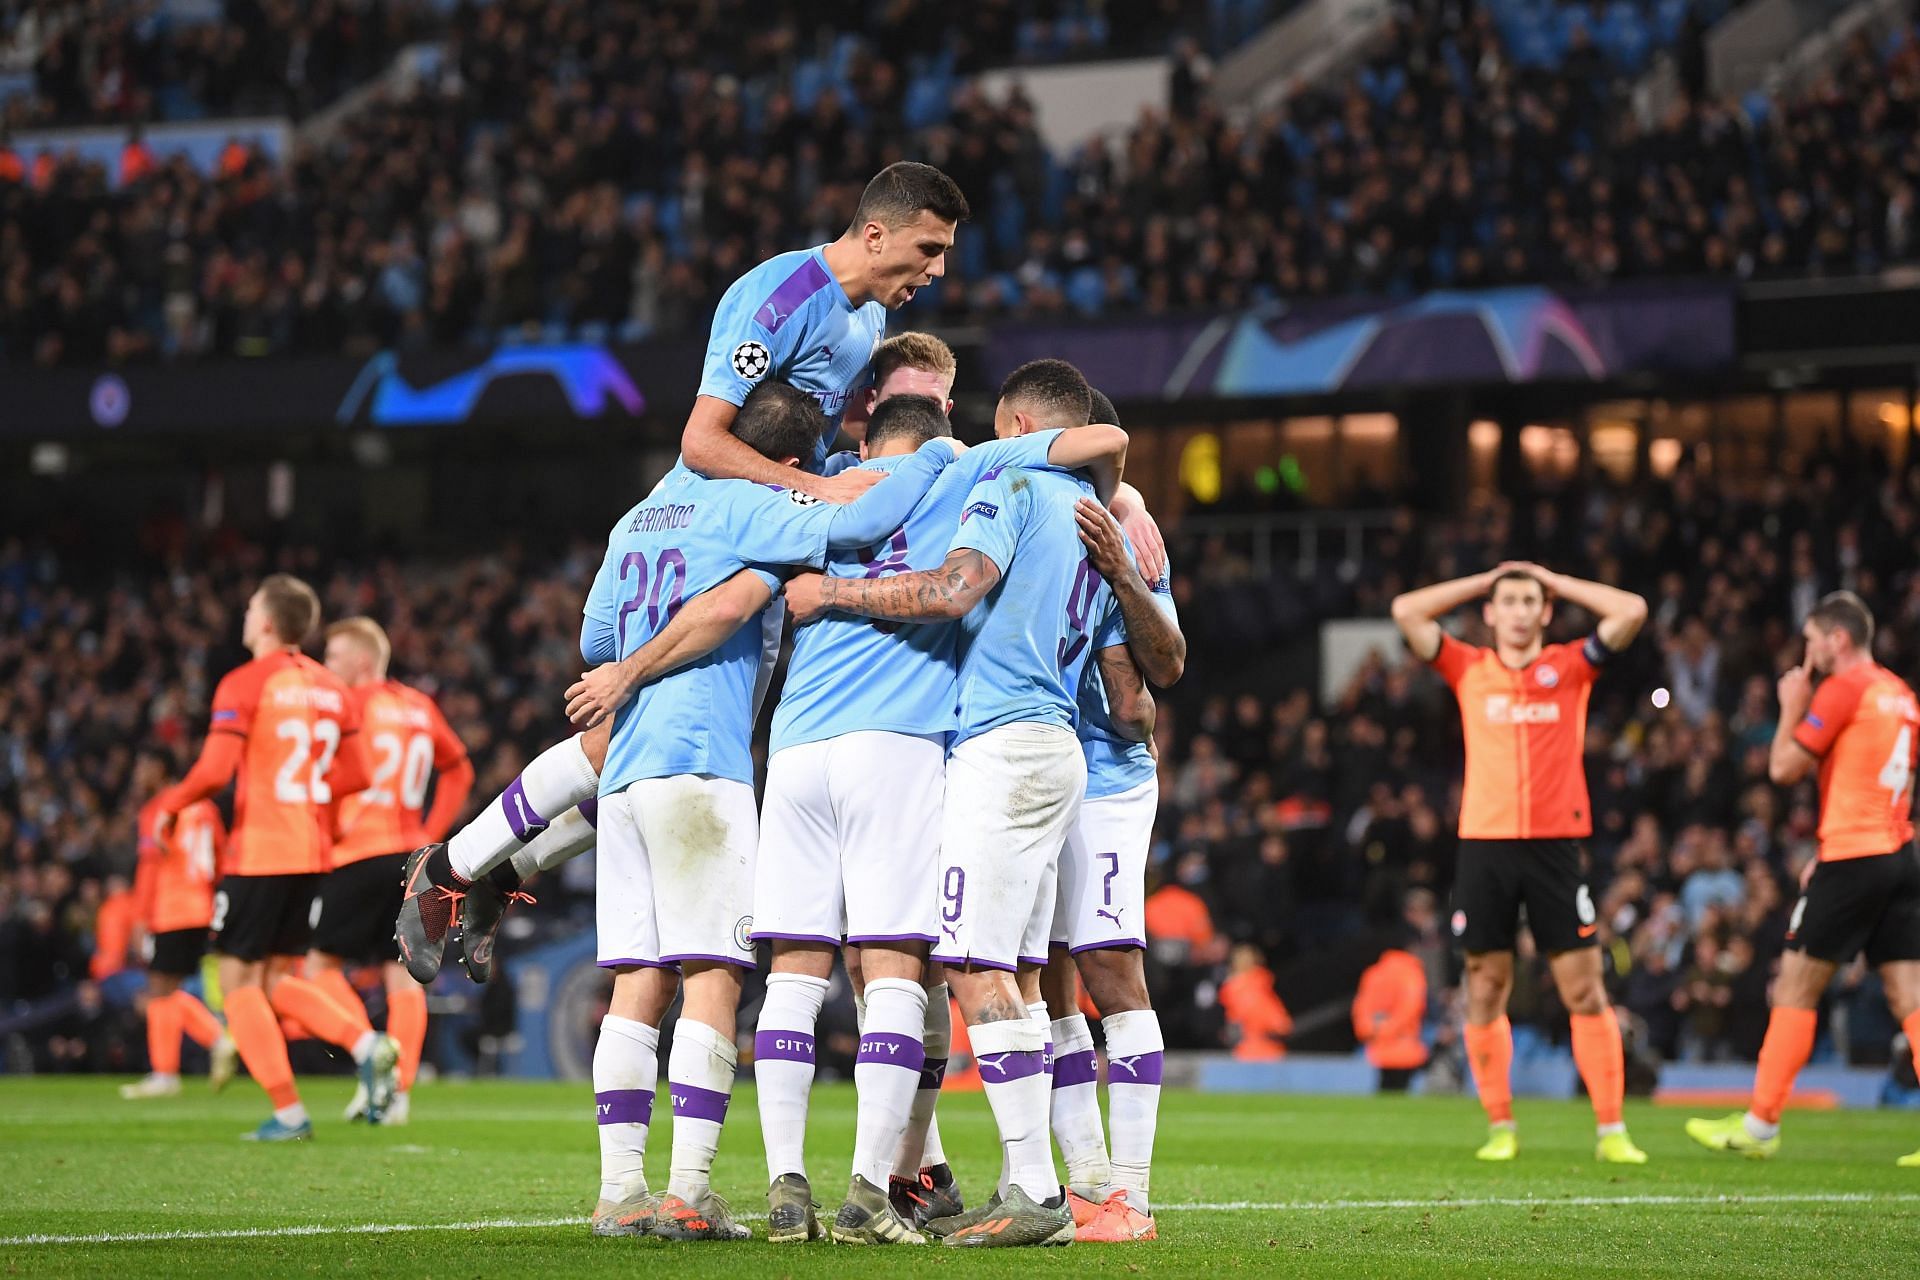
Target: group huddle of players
{"points": [[959, 795]]}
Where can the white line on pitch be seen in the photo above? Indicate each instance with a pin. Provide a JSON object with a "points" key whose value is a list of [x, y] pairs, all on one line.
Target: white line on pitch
{"points": [[1222, 1206]]}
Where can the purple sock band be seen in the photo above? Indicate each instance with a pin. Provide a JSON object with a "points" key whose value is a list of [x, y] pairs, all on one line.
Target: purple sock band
{"points": [[590, 810], [522, 817], [1005, 1068], [1075, 1068], [624, 1106], [933, 1072], [783, 1046], [695, 1103], [887, 1049], [1141, 1068]]}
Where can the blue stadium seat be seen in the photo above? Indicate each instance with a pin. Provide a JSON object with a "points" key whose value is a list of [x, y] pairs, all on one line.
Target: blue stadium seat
{"points": [[1668, 17], [928, 101], [1009, 224], [1086, 291], [1758, 106], [809, 79]]}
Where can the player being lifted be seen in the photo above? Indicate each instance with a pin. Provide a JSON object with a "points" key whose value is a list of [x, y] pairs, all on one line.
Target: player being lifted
{"points": [[846, 859], [1015, 773], [1523, 813], [811, 318], [409, 742], [173, 897], [1863, 894], [287, 733], [678, 827]]}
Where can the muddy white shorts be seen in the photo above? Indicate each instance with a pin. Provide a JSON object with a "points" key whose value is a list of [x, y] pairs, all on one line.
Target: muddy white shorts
{"points": [[675, 872]]}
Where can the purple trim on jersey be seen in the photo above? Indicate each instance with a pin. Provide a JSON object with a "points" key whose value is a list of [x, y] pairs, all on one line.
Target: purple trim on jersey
{"points": [[590, 810], [783, 1046], [767, 935], [1075, 1068], [1033, 960], [891, 937], [933, 1072], [692, 1102], [623, 961], [889, 1050], [962, 962], [677, 961], [808, 279], [1005, 1068], [522, 818], [624, 1106], [1116, 944], [1140, 1068]]}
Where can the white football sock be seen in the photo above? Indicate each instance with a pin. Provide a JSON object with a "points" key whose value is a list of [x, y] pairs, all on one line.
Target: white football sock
{"points": [[886, 1074], [1076, 1109], [553, 782], [920, 1145], [364, 1045], [1011, 1067], [700, 1078], [566, 838], [1761, 1130], [1135, 1051], [292, 1117], [626, 1070], [783, 1061]]}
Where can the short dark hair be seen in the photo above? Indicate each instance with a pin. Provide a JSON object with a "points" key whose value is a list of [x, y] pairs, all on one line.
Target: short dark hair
{"points": [[1517, 575], [780, 421], [916, 419], [292, 605], [1102, 410], [1845, 611], [1052, 390], [899, 192]]}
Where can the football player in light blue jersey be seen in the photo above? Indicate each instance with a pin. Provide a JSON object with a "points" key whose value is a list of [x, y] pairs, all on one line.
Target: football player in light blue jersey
{"points": [[1033, 614], [677, 825], [846, 859], [1097, 922]]}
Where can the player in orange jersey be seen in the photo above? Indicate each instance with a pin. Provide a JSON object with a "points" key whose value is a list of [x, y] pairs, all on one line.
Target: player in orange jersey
{"points": [[1863, 894], [1523, 814], [173, 903], [286, 732], [410, 742]]}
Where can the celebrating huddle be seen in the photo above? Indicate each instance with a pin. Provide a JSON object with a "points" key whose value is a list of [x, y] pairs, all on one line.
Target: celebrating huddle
{"points": [[972, 634]]}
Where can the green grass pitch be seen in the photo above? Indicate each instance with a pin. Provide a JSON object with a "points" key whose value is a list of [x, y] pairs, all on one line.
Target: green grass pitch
{"points": [[496, 1178]]}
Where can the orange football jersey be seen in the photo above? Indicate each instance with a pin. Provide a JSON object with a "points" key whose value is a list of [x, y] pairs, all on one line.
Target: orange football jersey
{"points": [[407, 741], [174, 885], [1526, 736], [1861, 725]]}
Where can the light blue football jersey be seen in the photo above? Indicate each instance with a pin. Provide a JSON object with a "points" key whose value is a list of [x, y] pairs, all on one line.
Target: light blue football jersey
{"points": [[689, 535], [1024, 648], [788, 319], [1115, 763], [850, 674]]}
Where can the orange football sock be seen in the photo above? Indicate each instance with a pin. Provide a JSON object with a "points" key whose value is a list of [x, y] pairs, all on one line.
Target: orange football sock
{"points": [[1912, 1027], [407, 1023], [1788, 1045], [334, 983], [1598, 1054], [256, 1033], [1490, 1055], [310, 1006], [197, 1020], [163, 1036]]}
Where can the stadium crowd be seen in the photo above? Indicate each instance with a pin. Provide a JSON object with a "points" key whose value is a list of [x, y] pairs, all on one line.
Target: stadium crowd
{"points": [[604, 171], [1287, 826]]}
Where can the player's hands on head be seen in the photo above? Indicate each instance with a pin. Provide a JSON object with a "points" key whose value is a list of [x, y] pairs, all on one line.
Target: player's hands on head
{"points": [[806, 598], [597, 694], [1149, 548], [846, 486], [1795, 690], [1101, 536]]}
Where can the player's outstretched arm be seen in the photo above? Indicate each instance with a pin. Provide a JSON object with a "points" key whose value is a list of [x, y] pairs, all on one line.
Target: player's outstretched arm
{"points": [[219, 761], [1157, 643], [1621, 613], [1418, 613], [874, 515], [932, 595], [1129, 701], [702, 625], [709, 446], [1100, 451]]}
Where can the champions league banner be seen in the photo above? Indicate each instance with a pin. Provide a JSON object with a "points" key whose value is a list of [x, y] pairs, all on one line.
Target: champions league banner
{"points": [[1515, 335]]}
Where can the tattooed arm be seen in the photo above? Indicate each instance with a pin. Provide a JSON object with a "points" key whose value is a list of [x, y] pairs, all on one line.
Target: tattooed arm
{"points": [[1129, 701], [932, 595], [1157, 643]]}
